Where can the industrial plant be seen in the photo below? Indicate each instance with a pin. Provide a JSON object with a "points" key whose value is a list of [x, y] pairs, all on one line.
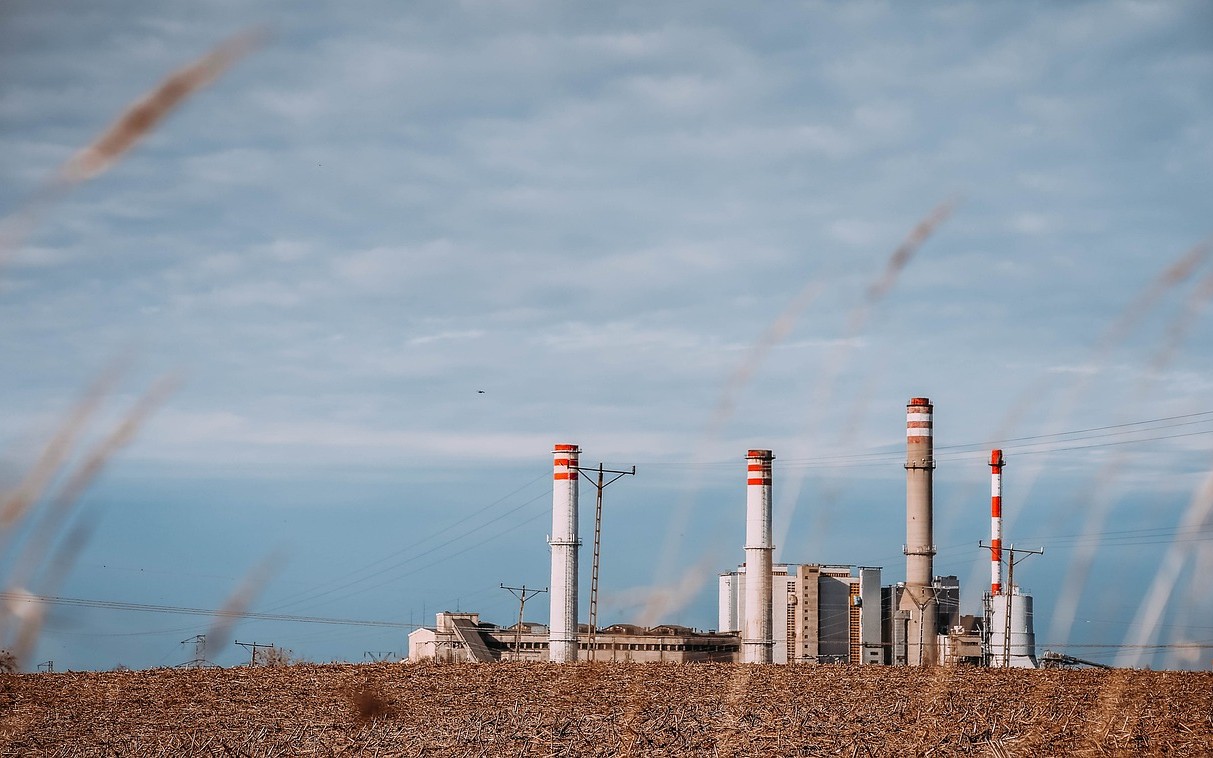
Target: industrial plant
{"points": [[806, 613]]}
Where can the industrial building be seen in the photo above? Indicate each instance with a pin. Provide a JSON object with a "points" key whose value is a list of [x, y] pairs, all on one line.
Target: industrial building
{"points": [[812, 613], [777, 613], [826, 614], [842, 614], [463, 637]]}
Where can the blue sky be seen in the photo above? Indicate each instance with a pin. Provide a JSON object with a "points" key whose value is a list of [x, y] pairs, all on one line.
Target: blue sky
{"points": [[593, 215]]}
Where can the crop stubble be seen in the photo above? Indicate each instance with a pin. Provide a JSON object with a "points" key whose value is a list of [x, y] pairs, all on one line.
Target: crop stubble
{"points": [[605, 709]]}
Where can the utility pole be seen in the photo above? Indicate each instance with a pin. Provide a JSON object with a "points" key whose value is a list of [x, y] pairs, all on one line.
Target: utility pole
{"points": [[252, 646], [48, 667], [379, 656], [523, 595], [200, 661], [600, 484], [1010, 595]]}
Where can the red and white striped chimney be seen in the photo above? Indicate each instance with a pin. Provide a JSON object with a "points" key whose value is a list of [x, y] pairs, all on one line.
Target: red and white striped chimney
{"points": [[757, 637], [996, 464], [562, 623]]}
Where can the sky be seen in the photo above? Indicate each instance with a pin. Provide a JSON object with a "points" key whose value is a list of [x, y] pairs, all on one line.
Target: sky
{"points": [[399, 250]]}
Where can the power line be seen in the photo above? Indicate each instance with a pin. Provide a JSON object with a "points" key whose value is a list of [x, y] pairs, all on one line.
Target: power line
{"points": [[1128, 537], [881, 456], [885, 458], [116, 605], [446, 557], [983, 445], [1126, 646], [299, 599]]}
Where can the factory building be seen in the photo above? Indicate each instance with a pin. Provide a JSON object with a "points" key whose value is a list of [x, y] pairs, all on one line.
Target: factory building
{"points": [[899, 632], [824, 614], [842, 614], [463, 637]]}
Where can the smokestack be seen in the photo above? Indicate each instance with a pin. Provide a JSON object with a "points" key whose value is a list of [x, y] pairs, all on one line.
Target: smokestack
{"points": [[920, 542], [562, 626], [996, 464], [757, 639]]}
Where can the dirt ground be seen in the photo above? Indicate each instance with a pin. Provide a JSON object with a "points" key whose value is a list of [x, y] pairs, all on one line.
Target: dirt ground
{"points": [[605, 709]]}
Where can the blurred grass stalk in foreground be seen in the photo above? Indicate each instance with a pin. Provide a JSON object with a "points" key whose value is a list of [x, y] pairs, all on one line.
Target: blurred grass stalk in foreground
{"points": [[31, 518]]}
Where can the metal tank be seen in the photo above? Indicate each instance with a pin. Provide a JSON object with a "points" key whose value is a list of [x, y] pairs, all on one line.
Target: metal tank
{"points": [[1021, 652]]}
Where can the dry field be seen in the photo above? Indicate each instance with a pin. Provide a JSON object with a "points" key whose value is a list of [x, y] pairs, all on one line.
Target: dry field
{"points": [[606, 709]]}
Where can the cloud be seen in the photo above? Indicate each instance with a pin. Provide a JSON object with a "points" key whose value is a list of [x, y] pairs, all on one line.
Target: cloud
{"points": [[447, 336], [384, 269]]}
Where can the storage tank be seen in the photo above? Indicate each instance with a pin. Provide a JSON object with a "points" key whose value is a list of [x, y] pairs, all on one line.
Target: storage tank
{"points": [[1022, 651]]}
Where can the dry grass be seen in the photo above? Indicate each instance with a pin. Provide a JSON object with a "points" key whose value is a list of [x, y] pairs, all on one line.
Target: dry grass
{"points": [[606, 709], [38, 565]]}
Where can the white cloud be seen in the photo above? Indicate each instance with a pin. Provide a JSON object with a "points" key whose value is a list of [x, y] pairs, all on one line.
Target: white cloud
{"points": [[447, 336], [1035, 224], [393, 268]]}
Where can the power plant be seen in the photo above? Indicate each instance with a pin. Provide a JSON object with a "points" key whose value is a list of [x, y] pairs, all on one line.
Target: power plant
{"points": [[785, 613]]}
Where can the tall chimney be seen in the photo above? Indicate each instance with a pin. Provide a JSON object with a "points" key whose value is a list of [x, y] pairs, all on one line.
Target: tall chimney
{"points": [[996, 464], [757, 639], [920, 542], [562, 626]]}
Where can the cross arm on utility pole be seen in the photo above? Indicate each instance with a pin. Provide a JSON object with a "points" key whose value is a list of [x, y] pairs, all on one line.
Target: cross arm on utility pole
{"points": [[252, 647], [1011, 561]]}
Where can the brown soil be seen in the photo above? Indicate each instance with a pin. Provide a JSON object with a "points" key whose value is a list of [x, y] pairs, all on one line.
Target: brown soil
{"points": [[606, 709]]}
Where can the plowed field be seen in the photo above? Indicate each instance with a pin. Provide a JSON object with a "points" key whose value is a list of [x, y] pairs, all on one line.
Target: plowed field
{"points": [[606, 709]]}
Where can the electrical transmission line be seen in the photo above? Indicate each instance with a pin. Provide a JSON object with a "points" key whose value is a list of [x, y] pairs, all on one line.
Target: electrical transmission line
{"points": [[15, 597]]}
